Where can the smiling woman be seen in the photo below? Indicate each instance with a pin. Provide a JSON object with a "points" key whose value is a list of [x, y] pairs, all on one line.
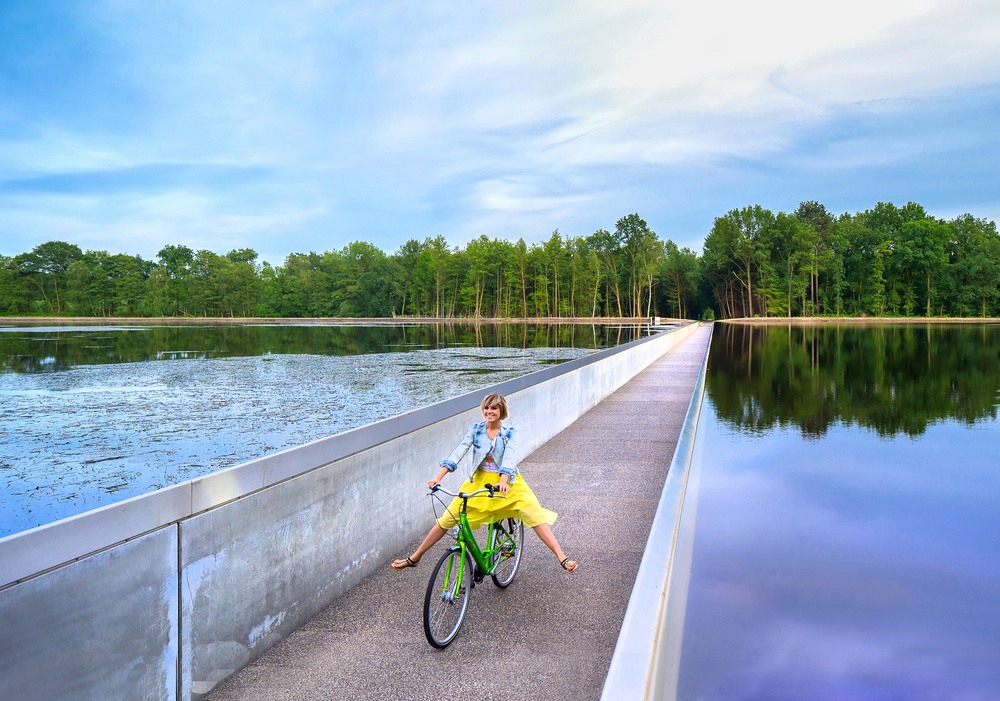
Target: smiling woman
{"points": [[492, 445]]}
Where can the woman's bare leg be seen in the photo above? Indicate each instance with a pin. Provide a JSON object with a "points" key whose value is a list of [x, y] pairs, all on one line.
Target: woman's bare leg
{"points": [[434, 535], [546, 535]]}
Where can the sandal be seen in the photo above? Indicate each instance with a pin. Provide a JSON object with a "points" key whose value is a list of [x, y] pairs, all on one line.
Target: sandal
{"points": [[571, 566], [403, 564]]}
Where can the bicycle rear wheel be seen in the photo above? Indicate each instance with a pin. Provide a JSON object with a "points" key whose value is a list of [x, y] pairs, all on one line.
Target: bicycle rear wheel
{"points": [[447, 598], [507, 558]]}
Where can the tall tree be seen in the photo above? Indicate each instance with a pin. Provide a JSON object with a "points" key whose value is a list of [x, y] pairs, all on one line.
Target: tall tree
{"points": [[820, 225], [177, 261], [974, 276], [642, 253], [922, 249], [608, 251], [15, 297], [45, 267], [680, 278], [737, 249]]}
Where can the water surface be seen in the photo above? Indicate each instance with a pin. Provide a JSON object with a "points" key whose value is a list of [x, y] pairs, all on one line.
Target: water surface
{"points": [[94, 415], [846, 542]]}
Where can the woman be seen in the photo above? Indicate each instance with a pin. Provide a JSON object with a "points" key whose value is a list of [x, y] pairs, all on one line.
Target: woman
{"points": [[494, 460]]}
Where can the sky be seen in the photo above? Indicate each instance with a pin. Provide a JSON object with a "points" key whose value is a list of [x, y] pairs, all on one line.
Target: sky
{"points": [[299, 126]]}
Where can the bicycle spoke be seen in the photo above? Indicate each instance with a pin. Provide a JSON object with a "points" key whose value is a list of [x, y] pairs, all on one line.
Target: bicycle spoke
{"points": [[447, 599], [507, 558]]}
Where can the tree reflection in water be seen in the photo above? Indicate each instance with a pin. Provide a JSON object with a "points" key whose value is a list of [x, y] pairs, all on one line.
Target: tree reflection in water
{"points": [[889, 378], [844, 496]]}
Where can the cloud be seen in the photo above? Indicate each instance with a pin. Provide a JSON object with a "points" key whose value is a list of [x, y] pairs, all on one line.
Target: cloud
{"points": [[845, 567], [948, 45], [400, 120]]}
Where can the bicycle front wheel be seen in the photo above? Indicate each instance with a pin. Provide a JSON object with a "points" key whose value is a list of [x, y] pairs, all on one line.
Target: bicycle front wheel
{"points": [[507, 556], [447, 598]]}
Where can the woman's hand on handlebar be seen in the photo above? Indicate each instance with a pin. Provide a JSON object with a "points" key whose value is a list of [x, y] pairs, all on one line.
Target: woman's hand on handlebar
{"points": [[502, 486], [436, 482]]}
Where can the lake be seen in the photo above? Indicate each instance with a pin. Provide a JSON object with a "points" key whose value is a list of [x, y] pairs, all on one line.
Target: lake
{"points": [[846, 541], [90, 415]]}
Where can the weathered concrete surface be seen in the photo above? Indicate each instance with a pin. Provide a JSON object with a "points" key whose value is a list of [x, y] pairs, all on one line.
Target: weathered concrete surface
{"points": [[550, 635], [101, 628]]}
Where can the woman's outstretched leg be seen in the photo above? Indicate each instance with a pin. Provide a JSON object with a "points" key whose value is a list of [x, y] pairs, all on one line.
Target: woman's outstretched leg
{"points": [[546, 535], [434, 535]]}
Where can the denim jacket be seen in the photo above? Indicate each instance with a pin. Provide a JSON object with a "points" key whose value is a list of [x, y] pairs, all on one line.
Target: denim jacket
{"points": [[504, 451]]}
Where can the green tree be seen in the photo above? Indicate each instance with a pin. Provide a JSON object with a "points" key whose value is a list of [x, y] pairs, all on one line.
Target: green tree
{"points": [[159, 295], [817, 260], [554, 258], [268, 292], [679, 274], [922, 250], [737, 257], [974, 275], [793, 252], [370, 282], [642, 254], [608, 251], [241, 281], [478, 276], [15, 297], [127, 283], [430, 276], [45, 268], [406, 258], [178, 262]]}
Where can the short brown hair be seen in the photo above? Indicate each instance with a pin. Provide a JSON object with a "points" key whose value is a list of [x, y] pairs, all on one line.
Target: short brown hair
{"points": [[493, 401]]}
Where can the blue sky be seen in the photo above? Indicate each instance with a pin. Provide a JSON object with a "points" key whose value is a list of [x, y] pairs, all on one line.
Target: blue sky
{"points": [[288, 127]]}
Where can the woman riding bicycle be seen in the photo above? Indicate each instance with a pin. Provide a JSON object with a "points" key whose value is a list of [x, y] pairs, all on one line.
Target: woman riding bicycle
{"points": [[494, 460]]}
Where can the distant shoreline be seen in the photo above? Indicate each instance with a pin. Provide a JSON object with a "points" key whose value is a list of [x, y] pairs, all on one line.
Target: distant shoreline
{"points": [[190, 320], [859, 320], [231, 321]]}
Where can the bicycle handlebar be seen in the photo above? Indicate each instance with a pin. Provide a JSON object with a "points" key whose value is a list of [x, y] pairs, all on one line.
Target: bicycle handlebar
{"points": [[492, 489]]}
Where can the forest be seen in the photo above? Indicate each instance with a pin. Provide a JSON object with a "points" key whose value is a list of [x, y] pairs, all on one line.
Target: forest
{"points": [[887, 261]]}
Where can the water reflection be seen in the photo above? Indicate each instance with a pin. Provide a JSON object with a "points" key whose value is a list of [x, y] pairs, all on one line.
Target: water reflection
{"points": [[58, 348], [891, 378], [837, 557]]}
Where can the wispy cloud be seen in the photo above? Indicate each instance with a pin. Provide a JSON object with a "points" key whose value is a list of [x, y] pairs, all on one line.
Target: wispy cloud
{"points": [[344, 121]]}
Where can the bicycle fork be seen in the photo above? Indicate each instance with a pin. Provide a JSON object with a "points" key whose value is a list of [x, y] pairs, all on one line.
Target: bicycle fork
{"points": [[453, 581]]}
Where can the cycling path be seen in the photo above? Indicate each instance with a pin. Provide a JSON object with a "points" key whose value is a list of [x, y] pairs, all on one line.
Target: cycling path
{"points": [[550, 635]]}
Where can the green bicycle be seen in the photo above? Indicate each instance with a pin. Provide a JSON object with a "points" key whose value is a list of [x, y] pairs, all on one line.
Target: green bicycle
{"points": [[464, 565]]}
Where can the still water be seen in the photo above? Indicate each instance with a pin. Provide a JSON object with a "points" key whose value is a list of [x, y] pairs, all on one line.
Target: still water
{"points": [[847, 532], [90, 415]]}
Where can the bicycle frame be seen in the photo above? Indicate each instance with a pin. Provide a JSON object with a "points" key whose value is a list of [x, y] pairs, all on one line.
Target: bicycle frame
{"points": [[467, 543], [452, 582]]}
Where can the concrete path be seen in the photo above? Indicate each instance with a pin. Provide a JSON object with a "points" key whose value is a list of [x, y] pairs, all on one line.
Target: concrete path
{"points": [[550, 635]]}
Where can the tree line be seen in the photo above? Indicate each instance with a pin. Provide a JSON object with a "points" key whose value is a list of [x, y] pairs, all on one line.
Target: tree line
{"points": [[887, 261]]}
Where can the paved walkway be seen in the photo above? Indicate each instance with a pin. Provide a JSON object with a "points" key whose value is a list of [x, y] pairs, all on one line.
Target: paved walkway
{"points": [[550, 635]]}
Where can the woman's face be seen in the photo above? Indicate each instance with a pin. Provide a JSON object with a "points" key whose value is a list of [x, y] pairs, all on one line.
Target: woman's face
{"points": [[491, 414]]}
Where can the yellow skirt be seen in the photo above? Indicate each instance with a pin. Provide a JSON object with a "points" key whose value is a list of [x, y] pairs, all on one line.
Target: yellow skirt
{"points": [[520, 503]]}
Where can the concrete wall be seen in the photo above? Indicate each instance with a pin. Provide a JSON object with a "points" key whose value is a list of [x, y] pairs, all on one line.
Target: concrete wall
{"points": [[78, 633], [165, 595]]}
